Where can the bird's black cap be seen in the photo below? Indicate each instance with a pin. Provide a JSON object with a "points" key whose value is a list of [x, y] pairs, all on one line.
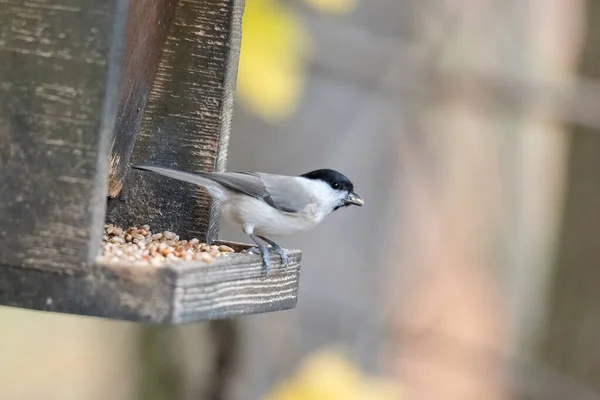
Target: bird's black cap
{"points": [[335, 179]]}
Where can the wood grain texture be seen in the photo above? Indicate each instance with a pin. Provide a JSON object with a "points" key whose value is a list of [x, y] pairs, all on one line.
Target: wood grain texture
{"points": [[148, 23], [60, 68], [59, 76], [120, 292], [194, 291], [187, 120], [235, 286]]}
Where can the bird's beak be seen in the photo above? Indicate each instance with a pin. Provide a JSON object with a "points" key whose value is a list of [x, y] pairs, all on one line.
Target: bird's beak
{"points": [[354, 199]]}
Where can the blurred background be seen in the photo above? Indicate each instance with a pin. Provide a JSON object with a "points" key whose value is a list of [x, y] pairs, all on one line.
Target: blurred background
{"points": [[471, 129]]}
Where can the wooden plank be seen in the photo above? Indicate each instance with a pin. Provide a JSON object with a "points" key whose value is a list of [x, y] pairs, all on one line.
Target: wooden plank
{"points": [[187, 120], [120, 292], [235, 286], [58, 107], [59, 77], [148, 23], [194, 291]]}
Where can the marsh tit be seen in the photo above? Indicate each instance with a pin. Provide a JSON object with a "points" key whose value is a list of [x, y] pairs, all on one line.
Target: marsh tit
{"points": [[267, 205]]}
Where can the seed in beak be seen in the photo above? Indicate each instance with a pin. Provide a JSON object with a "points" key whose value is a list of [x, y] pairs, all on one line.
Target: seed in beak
{"points": [[355, 199]]}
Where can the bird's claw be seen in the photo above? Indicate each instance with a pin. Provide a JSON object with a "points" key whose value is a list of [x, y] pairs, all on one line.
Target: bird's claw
{"points": [[285, 261], [266, 262], [265, 258], [284, 258], [253, 250]]}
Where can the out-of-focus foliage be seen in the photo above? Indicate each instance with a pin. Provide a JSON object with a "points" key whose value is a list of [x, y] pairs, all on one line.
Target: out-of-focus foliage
{"points": [[274, 44], [328, 375], [270, 71], [332, 6]]}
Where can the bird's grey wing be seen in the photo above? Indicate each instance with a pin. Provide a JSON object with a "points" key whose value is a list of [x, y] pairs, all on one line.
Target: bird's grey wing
{"points": [[248, 183], [197, 179], [215, 189], [244, 182], [281, 192], [287, 193]]}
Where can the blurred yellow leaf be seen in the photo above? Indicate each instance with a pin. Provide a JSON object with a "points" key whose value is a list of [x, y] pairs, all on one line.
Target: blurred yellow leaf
{"points": [[328, 375], [270, 74], [332, 6]]}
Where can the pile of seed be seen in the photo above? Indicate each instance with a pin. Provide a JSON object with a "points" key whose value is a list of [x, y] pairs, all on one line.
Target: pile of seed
{"points": [[139, 246]]}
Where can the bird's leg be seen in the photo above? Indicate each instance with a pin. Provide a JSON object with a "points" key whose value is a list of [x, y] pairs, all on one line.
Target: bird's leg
{"points": [[263, 251], [277, 248]]}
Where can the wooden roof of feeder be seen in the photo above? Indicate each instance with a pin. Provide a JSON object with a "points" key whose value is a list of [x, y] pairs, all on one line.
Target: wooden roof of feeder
{"points": [[88, 87]]}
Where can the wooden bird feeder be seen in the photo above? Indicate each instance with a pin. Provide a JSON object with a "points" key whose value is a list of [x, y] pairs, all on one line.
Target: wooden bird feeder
{"points": [[88, 87]]}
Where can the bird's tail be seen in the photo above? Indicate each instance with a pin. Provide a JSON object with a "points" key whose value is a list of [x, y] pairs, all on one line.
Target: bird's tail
{"points": [[201, 179]]}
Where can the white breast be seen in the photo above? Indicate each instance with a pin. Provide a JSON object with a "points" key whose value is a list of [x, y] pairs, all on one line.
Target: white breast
{"points": [[256, 216]]}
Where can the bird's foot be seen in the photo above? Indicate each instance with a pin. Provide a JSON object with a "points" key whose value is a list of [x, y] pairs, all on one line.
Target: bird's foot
{"points": [[266, 261], [253, 250], [277, 249], [284, 258], [265, 257], [285, 261]]}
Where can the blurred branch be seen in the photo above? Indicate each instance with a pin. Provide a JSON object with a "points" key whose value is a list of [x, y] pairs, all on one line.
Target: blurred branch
{"points": [[187, 362], [578, 102], [570, 337], [416, 73]]}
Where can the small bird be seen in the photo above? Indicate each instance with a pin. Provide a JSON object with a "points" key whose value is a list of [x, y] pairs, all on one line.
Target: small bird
{"points": [[267, 205]]}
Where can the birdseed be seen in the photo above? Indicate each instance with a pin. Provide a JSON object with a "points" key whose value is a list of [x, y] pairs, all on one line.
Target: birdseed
{"points": [[139, 246]]}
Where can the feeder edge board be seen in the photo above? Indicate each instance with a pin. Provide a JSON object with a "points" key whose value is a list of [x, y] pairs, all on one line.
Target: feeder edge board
{"points": [[188, 292]]}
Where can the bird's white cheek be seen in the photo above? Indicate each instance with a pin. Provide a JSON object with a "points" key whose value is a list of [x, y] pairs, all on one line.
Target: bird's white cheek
{"points": [[335, 201]]}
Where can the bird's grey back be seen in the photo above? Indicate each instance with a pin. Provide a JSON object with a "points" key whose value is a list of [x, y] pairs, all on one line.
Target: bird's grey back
{"points": [[284, 193]]}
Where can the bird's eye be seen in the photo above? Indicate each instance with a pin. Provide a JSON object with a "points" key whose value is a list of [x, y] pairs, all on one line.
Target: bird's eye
{"points": [[335, 185]]}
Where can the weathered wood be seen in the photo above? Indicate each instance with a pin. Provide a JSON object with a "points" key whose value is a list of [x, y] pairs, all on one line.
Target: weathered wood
{"points": [[59, 78], [148, 23], [236, 285], [106, 291], [186, 122], [59, 91], [194, 291]]}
